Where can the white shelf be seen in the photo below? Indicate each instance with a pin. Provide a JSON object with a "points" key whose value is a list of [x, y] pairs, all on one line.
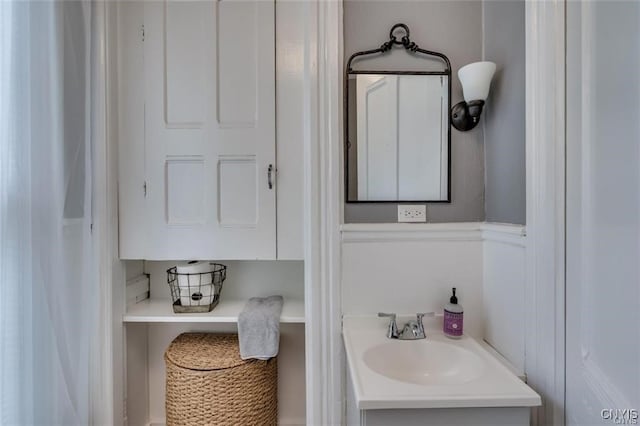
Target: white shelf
{"points": [[160, 310]]}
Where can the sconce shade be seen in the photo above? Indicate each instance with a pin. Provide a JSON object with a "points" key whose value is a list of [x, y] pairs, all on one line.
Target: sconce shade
{"points": [[476, 79]]}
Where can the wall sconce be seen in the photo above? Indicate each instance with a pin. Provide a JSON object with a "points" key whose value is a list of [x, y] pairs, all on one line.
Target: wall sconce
{"points": [[475, 79]]}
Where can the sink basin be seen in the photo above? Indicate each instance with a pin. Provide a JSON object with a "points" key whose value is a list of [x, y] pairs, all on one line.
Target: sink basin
{"points": [[424, 362], [436, 372]]}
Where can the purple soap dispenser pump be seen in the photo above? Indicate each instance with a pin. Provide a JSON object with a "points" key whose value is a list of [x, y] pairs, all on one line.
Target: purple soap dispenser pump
{"points": [[453, 313]]}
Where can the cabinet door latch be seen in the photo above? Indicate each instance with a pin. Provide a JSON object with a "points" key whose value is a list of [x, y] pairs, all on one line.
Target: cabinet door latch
{"points": [[270, 172]]}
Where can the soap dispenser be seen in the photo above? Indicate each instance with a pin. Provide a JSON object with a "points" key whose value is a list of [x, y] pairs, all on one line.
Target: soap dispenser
{"points": [[453, 312]]}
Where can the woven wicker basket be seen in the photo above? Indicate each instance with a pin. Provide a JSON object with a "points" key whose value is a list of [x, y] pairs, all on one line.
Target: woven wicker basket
{"points": [[208, 384]]}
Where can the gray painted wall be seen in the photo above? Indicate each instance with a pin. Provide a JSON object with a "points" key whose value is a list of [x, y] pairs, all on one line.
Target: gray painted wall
{"points": [[455, 29], [504, 114]]}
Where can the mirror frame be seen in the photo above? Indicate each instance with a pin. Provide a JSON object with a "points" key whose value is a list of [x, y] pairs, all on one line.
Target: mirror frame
{"points": [[411, 48]]}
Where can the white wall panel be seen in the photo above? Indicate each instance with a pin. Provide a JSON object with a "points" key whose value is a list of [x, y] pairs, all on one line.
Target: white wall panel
{"points": [[409, 269], [137, 375], [602, 212], [504, 291]]}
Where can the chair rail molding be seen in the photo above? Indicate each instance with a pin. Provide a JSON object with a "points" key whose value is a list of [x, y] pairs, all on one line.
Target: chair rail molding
{"points": [[451, 231], [323, 212], [400, 232], [545, 170]]}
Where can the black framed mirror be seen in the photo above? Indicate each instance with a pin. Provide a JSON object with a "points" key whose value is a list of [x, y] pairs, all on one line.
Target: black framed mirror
{"points": [[397, 129]]}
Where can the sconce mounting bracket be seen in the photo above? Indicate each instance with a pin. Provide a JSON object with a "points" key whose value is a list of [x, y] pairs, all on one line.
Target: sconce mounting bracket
{"points": [[465, 116]]}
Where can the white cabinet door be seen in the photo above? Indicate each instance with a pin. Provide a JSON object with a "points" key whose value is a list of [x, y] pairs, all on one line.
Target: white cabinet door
{"points": [[209, 76]]}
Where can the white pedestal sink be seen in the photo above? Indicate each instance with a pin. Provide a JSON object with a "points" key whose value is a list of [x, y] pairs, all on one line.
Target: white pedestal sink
{"points": [[436, 380]]}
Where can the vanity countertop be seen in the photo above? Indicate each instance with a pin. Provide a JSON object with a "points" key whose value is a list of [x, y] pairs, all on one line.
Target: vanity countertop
{"points": [[436, 372]]}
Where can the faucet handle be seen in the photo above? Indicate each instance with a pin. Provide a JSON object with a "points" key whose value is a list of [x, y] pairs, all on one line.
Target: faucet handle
{"points": [[392, 330], [421, 315]]}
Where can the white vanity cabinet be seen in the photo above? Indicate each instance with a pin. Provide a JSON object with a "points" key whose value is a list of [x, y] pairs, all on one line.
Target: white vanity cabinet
{"points": [[197, 124]]}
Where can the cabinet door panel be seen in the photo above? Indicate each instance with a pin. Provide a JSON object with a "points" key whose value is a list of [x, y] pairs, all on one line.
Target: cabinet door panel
{"points": [[184, 64], [237, 64], [185, 190], [237, 199], [209, 116]]}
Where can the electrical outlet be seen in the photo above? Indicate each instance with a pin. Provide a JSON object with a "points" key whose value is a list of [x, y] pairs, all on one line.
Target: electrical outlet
{"points": [[412, 213]]}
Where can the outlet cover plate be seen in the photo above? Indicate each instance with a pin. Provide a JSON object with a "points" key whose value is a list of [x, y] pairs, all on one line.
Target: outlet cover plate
{"points": [[412, 213]]}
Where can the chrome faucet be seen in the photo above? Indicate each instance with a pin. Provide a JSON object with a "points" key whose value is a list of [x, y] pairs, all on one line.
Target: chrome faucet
{"points": [[412, 330]]}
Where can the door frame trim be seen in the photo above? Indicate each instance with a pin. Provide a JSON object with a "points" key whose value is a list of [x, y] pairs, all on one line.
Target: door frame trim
{"points": [[323, 212], [545, 171]]}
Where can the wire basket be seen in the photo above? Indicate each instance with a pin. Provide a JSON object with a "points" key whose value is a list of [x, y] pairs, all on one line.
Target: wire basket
{"points": [[196, 292]]}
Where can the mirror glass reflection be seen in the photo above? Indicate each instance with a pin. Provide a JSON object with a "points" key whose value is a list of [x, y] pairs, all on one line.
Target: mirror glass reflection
{"points": [[398, 137]]}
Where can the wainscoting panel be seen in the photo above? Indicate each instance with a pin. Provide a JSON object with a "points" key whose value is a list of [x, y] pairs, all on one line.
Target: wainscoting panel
{"points": [[409, 268], [504, 290]]}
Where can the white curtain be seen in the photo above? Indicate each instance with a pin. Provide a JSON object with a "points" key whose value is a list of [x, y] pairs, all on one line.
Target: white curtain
{"points": [[47, 285]]}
